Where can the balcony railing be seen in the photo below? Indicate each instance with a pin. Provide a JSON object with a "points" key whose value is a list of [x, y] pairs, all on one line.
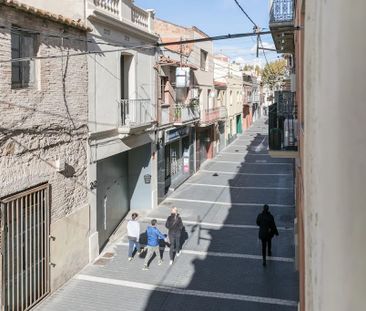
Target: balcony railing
{"points": [[139, 16], [282, 11], [112, 7], [136, 113], [185, 114], [222, 112], [282, 123], [127, 12], [254, 98], [210, 115]]}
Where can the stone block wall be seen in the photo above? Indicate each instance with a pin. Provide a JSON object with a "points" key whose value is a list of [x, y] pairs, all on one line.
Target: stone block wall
{"points": [[47, 120]]}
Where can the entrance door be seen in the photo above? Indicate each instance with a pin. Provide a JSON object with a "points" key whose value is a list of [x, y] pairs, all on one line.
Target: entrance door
{"points": [[221, 135], [204, 145], [239, 125], [112, 195], [25, 242]]}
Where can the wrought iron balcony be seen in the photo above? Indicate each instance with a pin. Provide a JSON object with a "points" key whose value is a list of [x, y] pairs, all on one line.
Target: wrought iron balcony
{"points": [[210, 115], [282, 11], [222, 112], [282, 126], [135, 114], [185, 114], [281, 22]]}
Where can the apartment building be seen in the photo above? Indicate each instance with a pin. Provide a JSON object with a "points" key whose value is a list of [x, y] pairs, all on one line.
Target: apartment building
{"points": [[199, 56], [122, 115], [329, 152]]}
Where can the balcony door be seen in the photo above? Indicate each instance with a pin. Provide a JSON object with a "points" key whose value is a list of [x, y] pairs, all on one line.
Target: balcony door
{"points": [[125, 63]]}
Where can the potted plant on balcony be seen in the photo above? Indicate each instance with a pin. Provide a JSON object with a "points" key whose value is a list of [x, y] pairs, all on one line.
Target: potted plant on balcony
{"points": [[194, 103], [177, 113]]}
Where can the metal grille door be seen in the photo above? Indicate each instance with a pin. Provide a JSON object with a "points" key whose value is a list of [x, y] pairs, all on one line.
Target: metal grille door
{"points": [[25, 248]]}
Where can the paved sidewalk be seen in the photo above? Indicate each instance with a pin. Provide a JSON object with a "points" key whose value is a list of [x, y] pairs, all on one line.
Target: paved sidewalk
{"points": [[220, 267]]}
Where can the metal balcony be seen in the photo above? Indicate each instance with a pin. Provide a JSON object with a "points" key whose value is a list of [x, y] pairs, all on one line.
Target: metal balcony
{"points": [[223, 112], [282, 126], [209, 116], [281, 23], [282, 11], [135, 115], [185, 114]]}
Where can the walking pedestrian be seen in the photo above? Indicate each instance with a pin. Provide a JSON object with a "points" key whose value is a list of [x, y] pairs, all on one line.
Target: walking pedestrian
{"points": [[174, 224], [153, 237], [267, 229], [133, 234]]}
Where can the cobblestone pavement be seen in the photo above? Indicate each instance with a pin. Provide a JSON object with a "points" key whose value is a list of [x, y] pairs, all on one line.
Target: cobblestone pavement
{"points": [[220, 267]]}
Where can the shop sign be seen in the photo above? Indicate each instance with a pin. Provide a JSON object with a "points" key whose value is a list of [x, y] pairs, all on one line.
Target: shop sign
{"points": [[175, 134]]}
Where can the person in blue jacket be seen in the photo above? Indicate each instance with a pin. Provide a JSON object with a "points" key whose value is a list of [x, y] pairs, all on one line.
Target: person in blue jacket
{"points": [[153, 237]]}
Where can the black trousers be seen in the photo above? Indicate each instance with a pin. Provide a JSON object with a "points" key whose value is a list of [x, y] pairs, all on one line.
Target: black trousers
{"points": [[174, 240], [266, 243]]}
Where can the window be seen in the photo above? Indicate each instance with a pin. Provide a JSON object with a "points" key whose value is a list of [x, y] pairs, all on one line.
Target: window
{"points": [[204, 60], [22, 46], [163, 82]]}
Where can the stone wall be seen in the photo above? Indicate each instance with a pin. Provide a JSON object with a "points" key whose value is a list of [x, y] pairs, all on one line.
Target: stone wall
{"points": [[47, 120]]}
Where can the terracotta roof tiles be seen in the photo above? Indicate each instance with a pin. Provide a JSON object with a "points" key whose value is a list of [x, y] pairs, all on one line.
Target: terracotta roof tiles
{"points": [[46, 14]]}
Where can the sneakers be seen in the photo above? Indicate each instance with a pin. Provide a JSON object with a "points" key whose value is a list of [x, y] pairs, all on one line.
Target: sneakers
{"points": [[170, 262], [145, 268], [178, 253], [129, 258], [160, 262]]}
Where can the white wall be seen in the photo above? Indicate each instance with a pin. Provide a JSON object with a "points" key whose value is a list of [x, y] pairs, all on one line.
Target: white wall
{"points": [[335, 148], [74, 9], [104, 77]]}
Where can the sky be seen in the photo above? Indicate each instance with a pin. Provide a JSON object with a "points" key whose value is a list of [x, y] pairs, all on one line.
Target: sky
{"points": [[220, 17]]}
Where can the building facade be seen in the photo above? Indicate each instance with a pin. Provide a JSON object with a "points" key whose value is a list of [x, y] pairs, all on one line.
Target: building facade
{"points": [[195, 104], [122, 115], [43, 147], [329, 157], [230, 87]]}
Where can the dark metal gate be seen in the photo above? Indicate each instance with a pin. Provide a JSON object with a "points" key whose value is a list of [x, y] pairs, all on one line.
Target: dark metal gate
{"points": [[25, 248]]}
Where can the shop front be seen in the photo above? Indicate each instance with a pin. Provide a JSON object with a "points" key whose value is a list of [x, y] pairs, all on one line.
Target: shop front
{"points": [[176, 158], [247, 117], [239, 124], [222, 142], [205, 141]]}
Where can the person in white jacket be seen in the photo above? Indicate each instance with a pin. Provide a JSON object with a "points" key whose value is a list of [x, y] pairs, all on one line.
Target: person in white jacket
{"points": [[133, 233]]}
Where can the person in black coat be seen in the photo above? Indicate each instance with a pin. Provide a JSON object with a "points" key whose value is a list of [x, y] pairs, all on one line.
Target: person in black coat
{"points": [[267, 229], [174, 224]]}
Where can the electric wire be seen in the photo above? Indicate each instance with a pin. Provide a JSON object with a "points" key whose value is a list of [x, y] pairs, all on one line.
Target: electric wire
{"points": [[143, 46], [258, 33]]}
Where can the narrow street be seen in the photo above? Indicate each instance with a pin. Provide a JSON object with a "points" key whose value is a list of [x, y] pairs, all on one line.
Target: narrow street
{"points": [[220, 267]]}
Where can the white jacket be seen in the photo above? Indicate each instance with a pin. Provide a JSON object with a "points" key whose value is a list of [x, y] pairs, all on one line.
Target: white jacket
{"points": [[133, 229]]}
